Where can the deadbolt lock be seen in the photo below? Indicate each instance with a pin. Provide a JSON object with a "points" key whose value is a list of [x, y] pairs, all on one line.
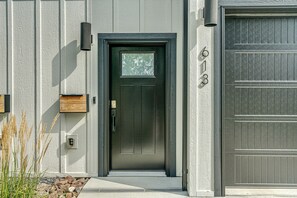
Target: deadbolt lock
{"points": [[113, 104]]}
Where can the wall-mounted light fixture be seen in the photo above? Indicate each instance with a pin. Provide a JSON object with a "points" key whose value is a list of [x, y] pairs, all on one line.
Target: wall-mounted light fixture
{"points": [[210, 13], [86, 38]]}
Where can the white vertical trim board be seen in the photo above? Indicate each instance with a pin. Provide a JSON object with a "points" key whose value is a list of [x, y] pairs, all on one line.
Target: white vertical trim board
{"points": [[38, 71], [176, 26], [89, 145], [200, 101], [62, 84], [10, 54]]}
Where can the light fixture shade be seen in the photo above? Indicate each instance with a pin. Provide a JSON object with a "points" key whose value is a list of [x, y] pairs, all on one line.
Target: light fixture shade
{"points": [[210, 13], [85, 36]]}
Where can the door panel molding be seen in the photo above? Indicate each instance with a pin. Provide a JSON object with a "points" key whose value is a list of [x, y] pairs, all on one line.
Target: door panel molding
{"points": [[168, 40]]}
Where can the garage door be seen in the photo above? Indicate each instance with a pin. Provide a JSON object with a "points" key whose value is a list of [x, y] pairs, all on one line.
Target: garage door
{"points": [[260, 101]]}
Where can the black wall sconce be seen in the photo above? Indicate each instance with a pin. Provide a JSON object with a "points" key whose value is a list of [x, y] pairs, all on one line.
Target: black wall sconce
{"points": [[210, 13], [86, 38]]}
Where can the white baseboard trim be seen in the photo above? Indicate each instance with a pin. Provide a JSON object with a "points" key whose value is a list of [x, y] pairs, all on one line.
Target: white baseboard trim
{"points": [[71, 174], [205, 193], [230, 191]]}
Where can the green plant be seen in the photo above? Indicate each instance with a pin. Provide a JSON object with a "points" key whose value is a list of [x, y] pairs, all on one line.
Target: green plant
{"points": [[20, 169]]}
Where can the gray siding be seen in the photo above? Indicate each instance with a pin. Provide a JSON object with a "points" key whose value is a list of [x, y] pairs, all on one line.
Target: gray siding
{"points": [[40, 59]]}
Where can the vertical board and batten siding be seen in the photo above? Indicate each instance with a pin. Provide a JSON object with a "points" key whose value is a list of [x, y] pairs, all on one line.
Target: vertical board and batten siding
{"points": [[23, 63], [50, 76], [139, 16], [75, 82], [40, 58], [3, 51]]}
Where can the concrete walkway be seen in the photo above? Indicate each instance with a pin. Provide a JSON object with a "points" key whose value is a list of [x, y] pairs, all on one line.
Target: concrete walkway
{"points": [[133, 187], [165, 187]]}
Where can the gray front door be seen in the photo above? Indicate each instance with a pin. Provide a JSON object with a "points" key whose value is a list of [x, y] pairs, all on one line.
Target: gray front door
{"points": [[137, 107], [260, 101]]}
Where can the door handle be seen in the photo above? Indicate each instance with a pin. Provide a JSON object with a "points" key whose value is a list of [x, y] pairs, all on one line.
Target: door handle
{"points": [[113, 120]]}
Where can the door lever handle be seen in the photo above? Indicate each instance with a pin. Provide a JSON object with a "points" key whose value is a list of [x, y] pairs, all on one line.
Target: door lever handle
{"points": [[113, 120]]}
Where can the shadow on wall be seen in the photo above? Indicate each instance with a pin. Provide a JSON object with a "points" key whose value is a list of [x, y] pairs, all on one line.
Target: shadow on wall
{"points": [[69, 54], [47, 118], [49, 115], [76, 125], [63, 65], [195, 22]]}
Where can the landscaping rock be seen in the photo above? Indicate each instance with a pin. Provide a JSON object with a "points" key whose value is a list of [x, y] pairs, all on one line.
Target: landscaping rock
{"points": [[43, 187], [69, 195], [64, 187], [69, 179], [53, 195], [71, 189]]}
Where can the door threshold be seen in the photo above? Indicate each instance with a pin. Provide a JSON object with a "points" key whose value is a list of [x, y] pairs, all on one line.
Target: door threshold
{"points": [[136, 173]]}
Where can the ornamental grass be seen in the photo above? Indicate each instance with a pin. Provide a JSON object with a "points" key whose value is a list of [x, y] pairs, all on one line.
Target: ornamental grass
{"points": [[21, 157]]}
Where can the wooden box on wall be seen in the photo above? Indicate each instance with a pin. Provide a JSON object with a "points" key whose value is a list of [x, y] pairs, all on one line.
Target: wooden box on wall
{"points": [[4, 103], [72, 103]]}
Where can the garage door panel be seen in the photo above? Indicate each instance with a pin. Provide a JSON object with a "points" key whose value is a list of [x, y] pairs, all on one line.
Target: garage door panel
{"points": [[230, 32], [257, 177], [230, 169], [260, 100], [260, 136], [230, 101], [231, 69], [263, 30], [229, 134], [271, 170], [260, 66]]}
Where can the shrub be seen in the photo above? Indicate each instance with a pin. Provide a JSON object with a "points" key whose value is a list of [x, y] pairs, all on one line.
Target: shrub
{"points": [[20, 165]]}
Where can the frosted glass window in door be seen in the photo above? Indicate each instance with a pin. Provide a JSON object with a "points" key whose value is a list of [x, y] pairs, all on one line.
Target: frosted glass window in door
{"points": [[138, 64]]}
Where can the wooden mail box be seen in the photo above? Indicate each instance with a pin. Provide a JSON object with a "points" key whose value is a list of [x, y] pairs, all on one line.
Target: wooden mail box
{"points": [[74, 103], [4, 103]]}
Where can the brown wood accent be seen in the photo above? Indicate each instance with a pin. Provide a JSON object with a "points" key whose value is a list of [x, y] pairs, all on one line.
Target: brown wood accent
{"points": [[73, 104], [2, 105]]}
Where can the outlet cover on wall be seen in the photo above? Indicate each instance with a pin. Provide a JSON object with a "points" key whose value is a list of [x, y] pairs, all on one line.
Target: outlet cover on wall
{"points": [[72, 141]]}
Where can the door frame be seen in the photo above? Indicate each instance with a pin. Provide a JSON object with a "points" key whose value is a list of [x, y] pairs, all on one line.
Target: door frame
{"points": [[168, 40], [234, 6]]}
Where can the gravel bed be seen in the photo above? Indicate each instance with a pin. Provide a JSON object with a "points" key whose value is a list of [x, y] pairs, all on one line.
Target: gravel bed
{"points": [[61, 187]]}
